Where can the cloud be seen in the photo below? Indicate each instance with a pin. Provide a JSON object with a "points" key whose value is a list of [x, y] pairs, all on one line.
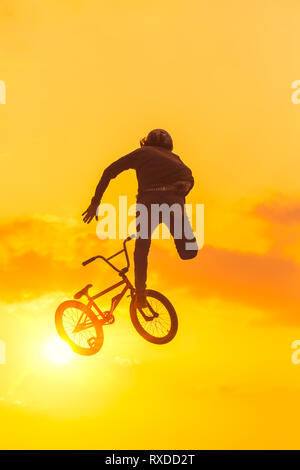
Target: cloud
{"points": [[10, 399], [280, 211], [43, 255], [264, 281], [281, 225], [124, 361]]}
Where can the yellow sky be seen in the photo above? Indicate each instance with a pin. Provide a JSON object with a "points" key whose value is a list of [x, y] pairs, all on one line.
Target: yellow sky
{"points": [[86, 79]]}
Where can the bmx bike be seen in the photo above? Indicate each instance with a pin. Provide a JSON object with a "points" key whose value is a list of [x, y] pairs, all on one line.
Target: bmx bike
{"points": [[81, 325]]}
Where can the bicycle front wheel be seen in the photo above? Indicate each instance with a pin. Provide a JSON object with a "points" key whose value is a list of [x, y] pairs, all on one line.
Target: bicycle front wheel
{"points": [[79, 327], [158, 322]]}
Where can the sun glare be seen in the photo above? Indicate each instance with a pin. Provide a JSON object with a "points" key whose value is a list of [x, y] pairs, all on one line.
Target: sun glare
{"points": [[57, 351]]}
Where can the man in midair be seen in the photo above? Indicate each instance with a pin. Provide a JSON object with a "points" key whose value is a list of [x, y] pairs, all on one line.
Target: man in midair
{"points": [[162, 179]]}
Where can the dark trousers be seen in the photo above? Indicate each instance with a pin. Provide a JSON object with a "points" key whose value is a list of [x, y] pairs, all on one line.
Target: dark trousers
{"points": [[177, 223]]}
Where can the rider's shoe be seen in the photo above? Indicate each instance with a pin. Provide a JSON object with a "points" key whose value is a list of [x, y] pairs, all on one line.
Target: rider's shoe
{"points": [[140, 300]]}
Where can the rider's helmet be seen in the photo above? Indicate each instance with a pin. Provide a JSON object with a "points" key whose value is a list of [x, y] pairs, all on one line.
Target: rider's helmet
{"points": [[158, 138]]}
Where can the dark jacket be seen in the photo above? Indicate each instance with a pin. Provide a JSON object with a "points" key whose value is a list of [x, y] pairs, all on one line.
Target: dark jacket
{"points": [[155, 166]]}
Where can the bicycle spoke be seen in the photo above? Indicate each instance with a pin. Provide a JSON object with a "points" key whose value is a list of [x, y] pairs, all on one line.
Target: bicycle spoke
{"points": [[74, 317], [157, 326]]}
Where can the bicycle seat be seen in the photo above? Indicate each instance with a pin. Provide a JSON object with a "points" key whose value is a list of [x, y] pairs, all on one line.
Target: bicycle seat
{"points": [[83, 291]]}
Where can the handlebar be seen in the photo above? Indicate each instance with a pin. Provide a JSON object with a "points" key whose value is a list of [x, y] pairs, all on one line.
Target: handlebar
{"points": [[89, 260], [124, 270]]}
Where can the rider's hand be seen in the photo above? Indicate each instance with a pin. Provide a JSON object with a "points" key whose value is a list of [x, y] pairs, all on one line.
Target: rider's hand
{"points": [[90, 213]]}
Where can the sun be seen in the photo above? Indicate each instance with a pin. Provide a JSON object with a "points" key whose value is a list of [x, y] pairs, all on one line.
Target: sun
{"points": [[57, 351]]}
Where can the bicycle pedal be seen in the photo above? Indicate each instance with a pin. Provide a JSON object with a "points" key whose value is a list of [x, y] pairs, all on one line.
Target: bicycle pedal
{"points": [[92, 342], [109, 319]]}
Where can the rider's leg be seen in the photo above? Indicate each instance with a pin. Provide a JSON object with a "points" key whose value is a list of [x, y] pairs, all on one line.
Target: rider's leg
{"points": [[142, 246], [141, 251], [186, 243]]}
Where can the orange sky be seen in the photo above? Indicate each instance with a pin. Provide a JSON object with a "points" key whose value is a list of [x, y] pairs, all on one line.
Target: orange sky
{"points": [[86, 79]]}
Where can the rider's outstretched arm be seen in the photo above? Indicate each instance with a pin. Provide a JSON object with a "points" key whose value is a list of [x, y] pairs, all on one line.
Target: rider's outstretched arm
{"points": [[124, 163], [113, 170]]}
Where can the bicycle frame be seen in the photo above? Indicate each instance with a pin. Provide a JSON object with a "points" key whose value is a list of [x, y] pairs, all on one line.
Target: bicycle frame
{"points": [[107, 316], [117, 298]]}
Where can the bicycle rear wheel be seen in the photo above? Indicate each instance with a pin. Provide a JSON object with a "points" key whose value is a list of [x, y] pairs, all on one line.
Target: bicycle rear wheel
{"points": [[158, 322], [79, 327]]}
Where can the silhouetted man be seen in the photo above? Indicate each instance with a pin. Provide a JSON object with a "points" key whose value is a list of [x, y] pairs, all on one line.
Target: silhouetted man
{"points": [[162, 179]]}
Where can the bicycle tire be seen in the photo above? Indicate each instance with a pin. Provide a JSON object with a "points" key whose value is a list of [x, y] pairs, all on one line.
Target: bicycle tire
{"points": [[136, 315], [60, 328]]}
